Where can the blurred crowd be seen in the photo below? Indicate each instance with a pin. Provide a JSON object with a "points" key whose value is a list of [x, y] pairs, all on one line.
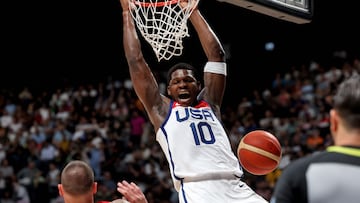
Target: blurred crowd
{"points": [[105, 124]]}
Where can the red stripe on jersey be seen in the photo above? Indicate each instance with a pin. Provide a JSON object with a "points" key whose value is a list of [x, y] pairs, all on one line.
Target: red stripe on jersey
{"points": [[202, 103]]}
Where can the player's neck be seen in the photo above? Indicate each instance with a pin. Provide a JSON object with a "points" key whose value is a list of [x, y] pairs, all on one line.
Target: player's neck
{"points": [[79, 199]]}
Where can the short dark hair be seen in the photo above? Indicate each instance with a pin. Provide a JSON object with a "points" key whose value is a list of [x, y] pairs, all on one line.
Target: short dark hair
{"points": [[181, 66], [347, 101], [77, 178]]}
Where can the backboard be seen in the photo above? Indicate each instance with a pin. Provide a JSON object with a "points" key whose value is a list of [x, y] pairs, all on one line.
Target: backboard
{"points": [[297, 11]]}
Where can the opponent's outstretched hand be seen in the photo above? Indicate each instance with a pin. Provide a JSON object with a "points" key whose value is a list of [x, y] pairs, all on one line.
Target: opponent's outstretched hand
{"points": [[131, 191]]}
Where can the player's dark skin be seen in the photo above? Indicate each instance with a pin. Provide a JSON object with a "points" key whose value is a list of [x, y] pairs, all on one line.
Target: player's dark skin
{"points": [[183, 86]]}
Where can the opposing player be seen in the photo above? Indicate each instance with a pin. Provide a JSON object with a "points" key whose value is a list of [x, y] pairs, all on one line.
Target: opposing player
{"points": [[78, 185], [331, 176], [187, 121]]}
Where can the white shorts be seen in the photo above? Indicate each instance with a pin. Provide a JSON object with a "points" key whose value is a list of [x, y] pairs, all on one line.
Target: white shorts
{"points": [[216, 191]]}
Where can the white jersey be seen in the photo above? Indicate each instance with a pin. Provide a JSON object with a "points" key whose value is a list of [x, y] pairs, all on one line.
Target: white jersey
{"points": [[196, 145]]}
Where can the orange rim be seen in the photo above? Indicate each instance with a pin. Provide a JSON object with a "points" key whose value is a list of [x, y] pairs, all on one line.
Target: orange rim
{"points": [[155, 4]]}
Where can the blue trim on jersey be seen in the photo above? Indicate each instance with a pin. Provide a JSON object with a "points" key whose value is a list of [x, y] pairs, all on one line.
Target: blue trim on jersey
{"points": [[183, 191], [172, 162], [166, 137], [168, 114]]}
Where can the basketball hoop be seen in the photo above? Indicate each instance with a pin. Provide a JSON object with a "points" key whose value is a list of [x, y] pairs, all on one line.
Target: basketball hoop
{"points": [[163, 24]]}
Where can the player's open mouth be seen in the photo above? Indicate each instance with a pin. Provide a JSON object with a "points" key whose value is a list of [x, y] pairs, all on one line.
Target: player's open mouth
{"points": [[184, 96]]}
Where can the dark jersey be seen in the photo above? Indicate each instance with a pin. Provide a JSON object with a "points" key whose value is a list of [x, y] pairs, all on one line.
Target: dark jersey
{"points": [[331, 176]]}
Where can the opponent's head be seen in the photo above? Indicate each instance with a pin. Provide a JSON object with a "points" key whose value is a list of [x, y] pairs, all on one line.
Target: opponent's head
{"points": [[77, 181], [183, 84]]}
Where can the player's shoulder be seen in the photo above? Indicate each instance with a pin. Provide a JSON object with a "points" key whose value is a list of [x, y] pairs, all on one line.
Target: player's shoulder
{"points": [[202, 103]]}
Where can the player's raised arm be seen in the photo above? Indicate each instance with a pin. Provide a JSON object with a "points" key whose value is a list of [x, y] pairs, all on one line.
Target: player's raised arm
{"points": [[145, 85], [215, 69]]}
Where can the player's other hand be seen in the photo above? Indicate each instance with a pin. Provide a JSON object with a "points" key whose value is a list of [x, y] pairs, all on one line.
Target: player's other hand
{"points": [[184, 4], [127, 4]]}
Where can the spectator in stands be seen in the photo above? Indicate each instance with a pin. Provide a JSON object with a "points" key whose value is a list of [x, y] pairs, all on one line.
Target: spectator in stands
{"points": [[137, 122]]}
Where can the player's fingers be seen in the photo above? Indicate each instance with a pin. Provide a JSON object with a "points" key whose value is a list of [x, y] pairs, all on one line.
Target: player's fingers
{"points": [[135, 188], [122, 187], [131, 192], [127, 189]]}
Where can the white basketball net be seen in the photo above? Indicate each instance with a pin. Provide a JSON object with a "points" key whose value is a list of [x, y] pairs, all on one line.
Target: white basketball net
{"points": [[163, 24]]}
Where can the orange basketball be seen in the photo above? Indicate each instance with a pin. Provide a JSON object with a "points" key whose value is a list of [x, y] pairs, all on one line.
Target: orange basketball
{"points": [[259, 152]]}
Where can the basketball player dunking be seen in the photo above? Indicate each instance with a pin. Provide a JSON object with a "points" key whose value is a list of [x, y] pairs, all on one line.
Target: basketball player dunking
{"points": [[202, 164]]}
